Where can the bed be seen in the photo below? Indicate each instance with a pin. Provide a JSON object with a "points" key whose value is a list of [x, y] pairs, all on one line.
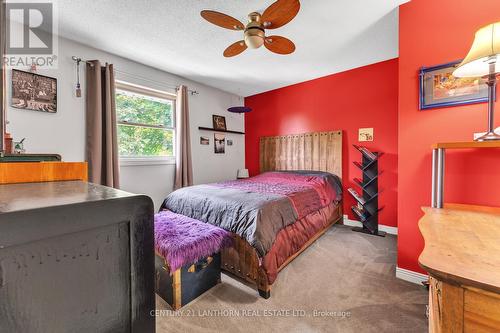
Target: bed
{"points": [[276, 215]]}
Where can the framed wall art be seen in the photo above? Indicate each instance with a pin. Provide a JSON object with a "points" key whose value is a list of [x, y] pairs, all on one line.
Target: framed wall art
{"points": [[32, 91], [219, 143], [439, 88], [219, 122], [204, 141]]}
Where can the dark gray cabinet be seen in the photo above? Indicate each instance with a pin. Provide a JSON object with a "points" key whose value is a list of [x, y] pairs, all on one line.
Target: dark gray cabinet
{"points": [[75, 257]]}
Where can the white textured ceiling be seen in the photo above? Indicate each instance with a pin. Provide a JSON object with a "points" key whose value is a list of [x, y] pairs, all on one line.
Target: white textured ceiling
{"points": [[331, 36]]}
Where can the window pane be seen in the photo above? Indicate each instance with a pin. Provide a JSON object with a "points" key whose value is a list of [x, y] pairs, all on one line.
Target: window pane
{"points": [[142, 109], [136, 141]]}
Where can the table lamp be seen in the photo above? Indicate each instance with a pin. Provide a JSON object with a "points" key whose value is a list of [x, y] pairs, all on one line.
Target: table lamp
{"points": [[483, 60], [242, 174]]}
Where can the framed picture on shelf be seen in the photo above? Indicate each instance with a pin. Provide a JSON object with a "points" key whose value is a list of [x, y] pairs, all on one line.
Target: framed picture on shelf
{"points": [[439, 88], [219, 122], [35, 92]]}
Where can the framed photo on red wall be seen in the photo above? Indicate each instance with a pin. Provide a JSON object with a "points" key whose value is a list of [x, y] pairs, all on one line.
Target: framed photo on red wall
{"points": [[439, 88]]}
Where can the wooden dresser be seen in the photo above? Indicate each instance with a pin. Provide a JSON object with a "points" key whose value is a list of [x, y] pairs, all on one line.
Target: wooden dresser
{"points": [[32, 172], [462, 256]]}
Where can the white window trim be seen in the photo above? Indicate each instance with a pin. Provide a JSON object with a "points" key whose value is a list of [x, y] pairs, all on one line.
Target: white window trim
{"points": [[148, 160], [144, 90]]}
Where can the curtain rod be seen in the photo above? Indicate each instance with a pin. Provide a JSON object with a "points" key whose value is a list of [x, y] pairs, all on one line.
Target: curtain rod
{"points": [[192, 92]]}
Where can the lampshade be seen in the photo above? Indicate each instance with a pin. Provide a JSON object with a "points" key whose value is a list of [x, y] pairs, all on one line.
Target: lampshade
{"points": [[242, 173], [484, 51]]}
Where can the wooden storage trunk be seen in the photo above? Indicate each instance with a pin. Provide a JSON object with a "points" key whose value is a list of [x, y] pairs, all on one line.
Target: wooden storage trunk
{"points": [[188, 282]]}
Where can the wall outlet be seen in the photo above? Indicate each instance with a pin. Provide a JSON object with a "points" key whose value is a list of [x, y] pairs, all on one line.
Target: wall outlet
{"points": [[365, 134]]}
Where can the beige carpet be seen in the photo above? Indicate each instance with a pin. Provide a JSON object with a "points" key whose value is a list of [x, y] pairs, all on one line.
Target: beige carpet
{"points": [[347, 275]]}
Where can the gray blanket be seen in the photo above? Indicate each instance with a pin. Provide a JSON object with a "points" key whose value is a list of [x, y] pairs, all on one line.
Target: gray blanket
{"points": [[257, 208], [256, 217]]}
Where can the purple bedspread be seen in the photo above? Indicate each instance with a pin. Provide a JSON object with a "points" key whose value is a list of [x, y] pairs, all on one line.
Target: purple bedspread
{"points": [[259, 207], [183, 241], [308, 193]]}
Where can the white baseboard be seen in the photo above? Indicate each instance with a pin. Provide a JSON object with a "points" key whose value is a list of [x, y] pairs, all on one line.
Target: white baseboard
{"points": [[410, 276], [381, 227]]}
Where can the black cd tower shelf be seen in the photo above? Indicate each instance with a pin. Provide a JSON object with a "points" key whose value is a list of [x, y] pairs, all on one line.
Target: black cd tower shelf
{"points": [[367, 208]]}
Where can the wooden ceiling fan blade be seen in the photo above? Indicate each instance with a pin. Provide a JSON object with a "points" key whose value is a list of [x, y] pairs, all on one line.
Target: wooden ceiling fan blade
{"points": [[222, 20], [279, 45], [235, 49], [280, 13]]}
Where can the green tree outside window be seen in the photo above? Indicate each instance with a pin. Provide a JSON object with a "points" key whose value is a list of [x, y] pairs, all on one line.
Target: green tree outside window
{"points": [[145, 125]]}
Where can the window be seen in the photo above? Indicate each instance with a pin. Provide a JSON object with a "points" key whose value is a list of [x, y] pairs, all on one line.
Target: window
{"points": [[146, 124]]}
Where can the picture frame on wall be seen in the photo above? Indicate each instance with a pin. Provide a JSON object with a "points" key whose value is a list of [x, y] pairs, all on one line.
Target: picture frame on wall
{"points": [[219, 123], [219, 143], [35, 92], [439, 88], [204, 141]]}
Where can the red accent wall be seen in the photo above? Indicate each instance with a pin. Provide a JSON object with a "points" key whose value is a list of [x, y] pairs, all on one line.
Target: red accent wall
{"points": [[362, 97], [435, 32]]}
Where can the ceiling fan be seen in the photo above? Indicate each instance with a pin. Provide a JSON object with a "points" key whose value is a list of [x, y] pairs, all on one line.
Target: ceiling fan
{"points": [[275, 16]]}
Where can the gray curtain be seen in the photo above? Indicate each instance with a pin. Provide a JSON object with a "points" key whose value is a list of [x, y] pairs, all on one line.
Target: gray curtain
{"points": [[183, 165], [101, 147]]}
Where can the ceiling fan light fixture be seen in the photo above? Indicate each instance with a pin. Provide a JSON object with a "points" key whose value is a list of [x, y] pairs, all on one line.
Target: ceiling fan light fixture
{"points": [[254, 37]]}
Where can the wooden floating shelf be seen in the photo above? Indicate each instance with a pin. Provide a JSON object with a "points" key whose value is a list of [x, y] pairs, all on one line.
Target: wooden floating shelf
{"points": [[215, 130]]}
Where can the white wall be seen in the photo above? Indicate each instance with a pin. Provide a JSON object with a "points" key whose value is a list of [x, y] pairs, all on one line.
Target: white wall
{"points": [[64, 132]]}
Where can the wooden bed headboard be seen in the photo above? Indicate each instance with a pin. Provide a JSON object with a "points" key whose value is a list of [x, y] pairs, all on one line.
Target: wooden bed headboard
{"points": [[318, 151]]}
